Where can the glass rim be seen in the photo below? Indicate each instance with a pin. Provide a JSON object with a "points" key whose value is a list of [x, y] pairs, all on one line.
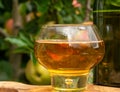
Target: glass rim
{"points": [[66, 25]]}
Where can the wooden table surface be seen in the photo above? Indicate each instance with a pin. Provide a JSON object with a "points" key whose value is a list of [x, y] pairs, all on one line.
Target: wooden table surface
{"points": [[10, 86]]}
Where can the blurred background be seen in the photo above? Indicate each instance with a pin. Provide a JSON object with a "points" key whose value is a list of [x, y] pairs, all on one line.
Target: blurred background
{"points": [[20, 22]]}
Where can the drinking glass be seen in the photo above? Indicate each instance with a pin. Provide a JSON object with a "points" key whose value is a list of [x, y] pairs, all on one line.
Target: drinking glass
{"points": [[69, 51]]}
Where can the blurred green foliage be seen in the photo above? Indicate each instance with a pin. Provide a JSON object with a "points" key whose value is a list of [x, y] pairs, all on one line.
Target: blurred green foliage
{"points": [[34, 14], [6, 71]]}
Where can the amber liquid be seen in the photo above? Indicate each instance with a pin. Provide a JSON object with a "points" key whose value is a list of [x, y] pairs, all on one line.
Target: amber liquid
{"points": [[65, 57]]}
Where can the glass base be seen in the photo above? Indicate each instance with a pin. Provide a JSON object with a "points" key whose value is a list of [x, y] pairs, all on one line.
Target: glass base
{"points": [[69, 83]]}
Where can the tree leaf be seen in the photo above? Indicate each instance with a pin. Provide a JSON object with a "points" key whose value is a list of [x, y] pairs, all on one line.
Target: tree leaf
{"points": [[32, 56], [26, 39], [16, 41], [24, 50]]}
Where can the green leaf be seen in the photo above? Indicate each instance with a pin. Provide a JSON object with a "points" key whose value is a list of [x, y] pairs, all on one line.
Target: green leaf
{"points": [[26, 39], [41, 6], [24, 50], [32, 56], [58, 6], [23, 9], [16, 41]]}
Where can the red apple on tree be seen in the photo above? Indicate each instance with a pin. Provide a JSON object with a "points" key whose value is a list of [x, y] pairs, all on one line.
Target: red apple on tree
{"points": [[9, 26]]}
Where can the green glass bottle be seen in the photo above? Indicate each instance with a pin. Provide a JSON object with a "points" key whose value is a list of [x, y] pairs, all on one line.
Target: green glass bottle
{"points": [[106, 15]]}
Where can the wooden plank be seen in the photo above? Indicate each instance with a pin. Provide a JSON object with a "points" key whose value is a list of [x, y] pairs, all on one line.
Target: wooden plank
{"points": [[20, 87]]}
